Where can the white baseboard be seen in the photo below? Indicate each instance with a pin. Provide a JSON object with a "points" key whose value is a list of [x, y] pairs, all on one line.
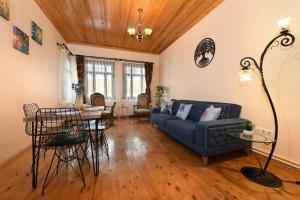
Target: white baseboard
{"points": [[276, 157]]}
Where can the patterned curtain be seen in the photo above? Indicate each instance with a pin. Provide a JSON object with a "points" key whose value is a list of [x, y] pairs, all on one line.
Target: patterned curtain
{"points": [[148, 76], [80, 72]]}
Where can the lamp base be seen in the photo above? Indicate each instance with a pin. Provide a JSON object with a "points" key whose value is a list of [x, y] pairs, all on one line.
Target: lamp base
{"points": [[268, 179]]}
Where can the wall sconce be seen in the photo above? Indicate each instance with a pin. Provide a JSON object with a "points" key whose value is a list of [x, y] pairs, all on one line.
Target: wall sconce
{"points": [[285, 39]]}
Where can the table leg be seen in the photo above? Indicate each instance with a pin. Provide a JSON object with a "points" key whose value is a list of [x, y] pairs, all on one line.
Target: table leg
{"points": [[33, 162], [97, 149]]}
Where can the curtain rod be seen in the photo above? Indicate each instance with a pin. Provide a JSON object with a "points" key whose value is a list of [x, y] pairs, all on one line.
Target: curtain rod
{"points": [[116, 59], [64, 46]]}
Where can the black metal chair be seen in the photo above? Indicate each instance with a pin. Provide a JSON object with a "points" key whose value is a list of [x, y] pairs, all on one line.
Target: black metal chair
{"points": [[102, 126], [56, 129], [30, 111]]}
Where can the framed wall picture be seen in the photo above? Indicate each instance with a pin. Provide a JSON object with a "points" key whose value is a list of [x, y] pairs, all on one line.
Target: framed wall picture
{"points": [[20, 40], [4, 9], [36, 33]]}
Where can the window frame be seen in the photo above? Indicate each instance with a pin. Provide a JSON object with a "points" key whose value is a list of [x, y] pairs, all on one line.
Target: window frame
{"points": [[94, 62], [131, 74]]}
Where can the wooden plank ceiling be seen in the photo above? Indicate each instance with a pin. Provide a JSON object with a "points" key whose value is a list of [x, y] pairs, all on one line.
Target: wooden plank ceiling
{"points": [[104, 22]]}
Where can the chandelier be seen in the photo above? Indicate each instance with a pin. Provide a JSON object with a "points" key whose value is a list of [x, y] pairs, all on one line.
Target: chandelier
{"points": [[138, 33]]}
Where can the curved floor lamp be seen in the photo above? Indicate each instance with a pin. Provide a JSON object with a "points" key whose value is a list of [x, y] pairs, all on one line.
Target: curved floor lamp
{"points": [[284, 39]]}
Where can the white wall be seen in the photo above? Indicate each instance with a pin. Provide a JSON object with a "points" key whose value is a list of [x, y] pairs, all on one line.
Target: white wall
{"points": [[239, 29], [25, 78], [129, 55]]}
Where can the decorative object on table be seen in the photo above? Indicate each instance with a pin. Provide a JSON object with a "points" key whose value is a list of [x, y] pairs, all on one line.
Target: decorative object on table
{"points": [[204, 52], [211, 113], [160, 94], [4, 9], [166, 107], [79, 89], [248, 127], [184, 111], [20, 40], [140, 34], [36, 33], [283, 39], [143, 107]]}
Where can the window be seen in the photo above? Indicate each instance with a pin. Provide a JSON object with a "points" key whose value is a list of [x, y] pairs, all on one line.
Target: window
{"points": [[99, 77], [134, 79]]}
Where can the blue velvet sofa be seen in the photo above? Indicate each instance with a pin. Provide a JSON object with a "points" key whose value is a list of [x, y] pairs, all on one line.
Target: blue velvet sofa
{"points": [[207, 138]]}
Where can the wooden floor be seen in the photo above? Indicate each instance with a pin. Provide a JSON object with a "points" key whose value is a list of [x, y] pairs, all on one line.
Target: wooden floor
{"points": [[145, 164]]}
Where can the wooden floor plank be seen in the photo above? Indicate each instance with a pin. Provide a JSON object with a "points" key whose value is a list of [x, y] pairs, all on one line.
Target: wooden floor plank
{"points": [[146, 163]]}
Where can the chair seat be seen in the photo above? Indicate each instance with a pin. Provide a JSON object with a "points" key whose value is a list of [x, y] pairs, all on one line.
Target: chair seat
{"points": [[101, 126], [142, 111], [65, 140]]}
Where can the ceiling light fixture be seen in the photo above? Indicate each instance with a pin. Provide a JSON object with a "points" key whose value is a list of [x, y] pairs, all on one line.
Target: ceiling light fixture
{"points": [[139, 34]]}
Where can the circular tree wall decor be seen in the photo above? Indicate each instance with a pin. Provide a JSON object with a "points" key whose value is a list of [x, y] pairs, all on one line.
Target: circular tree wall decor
{"points": [[204, 52]]}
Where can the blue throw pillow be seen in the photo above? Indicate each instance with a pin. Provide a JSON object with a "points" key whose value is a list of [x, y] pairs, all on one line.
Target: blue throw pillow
{"points": [[184, 111]]}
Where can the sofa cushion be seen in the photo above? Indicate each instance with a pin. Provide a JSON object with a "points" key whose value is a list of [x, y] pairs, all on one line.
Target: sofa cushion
{"points": [[211, 113], [182, 129], [228, 110], [161, 118], [184, 111]]}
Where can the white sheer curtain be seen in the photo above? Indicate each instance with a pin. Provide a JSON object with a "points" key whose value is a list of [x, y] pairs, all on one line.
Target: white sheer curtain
{"points": [[68, 73], [100, 77], [134, 80]]}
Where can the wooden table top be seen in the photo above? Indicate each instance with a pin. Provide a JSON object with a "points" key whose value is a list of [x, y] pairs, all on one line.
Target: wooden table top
{"points": [[94, 113]]}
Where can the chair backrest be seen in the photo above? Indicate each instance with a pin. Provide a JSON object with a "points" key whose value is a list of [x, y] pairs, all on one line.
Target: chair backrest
{"points": [[111, 115], [143, 101], [60, 122], [97, 99], [30, 111]]}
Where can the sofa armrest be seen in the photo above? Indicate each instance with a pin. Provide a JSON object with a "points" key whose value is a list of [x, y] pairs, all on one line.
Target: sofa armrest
{"points": [[211, 134], [155, 110]]}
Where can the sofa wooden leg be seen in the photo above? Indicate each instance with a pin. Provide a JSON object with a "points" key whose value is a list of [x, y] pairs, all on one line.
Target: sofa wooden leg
{"points": [[248, 151], [205, 160]]}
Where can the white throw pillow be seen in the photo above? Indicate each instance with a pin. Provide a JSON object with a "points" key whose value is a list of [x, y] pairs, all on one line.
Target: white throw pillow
{"points": [[184, 111], [166, 107], [211, 113]]}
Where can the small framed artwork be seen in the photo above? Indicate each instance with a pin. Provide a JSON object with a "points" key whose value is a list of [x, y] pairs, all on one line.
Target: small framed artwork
{"points": [[36, 33], [20, 40], [4, 9]]}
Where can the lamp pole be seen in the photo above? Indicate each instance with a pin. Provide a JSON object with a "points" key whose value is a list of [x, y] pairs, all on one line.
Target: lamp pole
{"points": [[284, 39]]}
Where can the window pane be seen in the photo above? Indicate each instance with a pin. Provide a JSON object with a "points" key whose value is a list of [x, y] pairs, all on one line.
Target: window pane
{"points": [[90, 89], [136, 86], [100, 83], [128, 70], [128, 87], [109, 86], [109, 69]]}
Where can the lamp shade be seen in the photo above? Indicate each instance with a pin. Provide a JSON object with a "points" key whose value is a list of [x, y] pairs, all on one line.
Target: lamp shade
{"points": [[131, 31], [245, 74], [148, 31], [284, 23]]}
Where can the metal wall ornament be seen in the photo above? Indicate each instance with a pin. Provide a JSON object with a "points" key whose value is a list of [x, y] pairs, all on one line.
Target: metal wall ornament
{"points": [[204, 52]]}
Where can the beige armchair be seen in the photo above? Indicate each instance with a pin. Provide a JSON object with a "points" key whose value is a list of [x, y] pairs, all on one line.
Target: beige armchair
{"points": [[142, 109], [98, 99]]}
